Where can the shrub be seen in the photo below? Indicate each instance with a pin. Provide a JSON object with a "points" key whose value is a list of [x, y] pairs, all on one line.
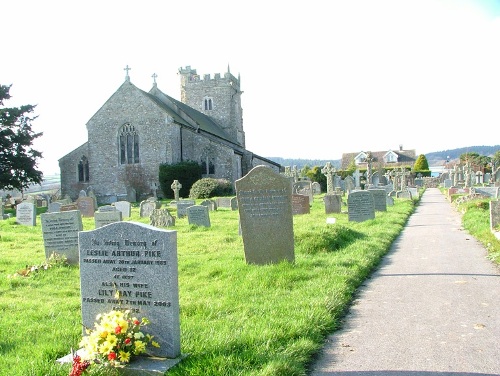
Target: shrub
{"points": [[209, 187], [187, 173]]}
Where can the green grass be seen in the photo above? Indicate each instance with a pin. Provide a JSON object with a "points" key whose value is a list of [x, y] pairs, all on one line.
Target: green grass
{"points": [[236, 319]]}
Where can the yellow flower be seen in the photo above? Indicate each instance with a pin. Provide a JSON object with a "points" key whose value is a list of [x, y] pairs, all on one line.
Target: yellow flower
{"points": [[140, 347], [124, 356], [155, 344], [105, 348], [112, 340]]}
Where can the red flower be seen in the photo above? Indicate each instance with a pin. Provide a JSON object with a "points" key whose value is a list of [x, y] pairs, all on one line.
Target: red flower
{"points": [[118, 329], [112, 356], [127, 341], [137, 322]]}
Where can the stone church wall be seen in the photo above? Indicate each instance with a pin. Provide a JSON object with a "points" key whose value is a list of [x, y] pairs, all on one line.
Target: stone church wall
{"points": [[68, 166]]}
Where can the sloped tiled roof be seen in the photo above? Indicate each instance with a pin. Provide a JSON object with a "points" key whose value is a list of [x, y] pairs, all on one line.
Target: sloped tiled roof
{"points": [[405, 157]]}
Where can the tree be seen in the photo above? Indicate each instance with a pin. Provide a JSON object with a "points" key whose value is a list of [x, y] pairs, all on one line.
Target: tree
{"points": [[421, 164], [477, 161], [18, 161]]}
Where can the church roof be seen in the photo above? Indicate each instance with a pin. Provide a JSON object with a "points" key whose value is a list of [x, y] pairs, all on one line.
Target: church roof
{"points": [[188, 116]]}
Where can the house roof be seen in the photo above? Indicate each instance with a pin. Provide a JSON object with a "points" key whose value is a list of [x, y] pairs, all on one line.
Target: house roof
{"points": [[405, 157]]}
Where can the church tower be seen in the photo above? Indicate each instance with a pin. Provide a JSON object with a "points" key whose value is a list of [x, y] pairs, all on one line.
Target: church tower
{"points": [[218, 98]]}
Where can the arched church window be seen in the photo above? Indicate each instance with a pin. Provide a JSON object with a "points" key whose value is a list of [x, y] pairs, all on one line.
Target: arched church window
{"points": [[83, 170], [207, 166], [129, 144], [208, 104]]}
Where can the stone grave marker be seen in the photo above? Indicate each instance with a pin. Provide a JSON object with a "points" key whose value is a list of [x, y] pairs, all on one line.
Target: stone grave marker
{"points": [[176, 187], [54, 207], [266, 219], [106, 208], [103, 218], [210, 204], [198, 215], [60, 234], [161, 218], [227, 202], [26, 214], [333, 203], [147, 206], [389, 200], [124, 207], [300, 204], [86, 206], [494, 215], [69, 207], [128, 265], [379, 199], [303, 188], [316, 188], [182, 206], [360, 206]]}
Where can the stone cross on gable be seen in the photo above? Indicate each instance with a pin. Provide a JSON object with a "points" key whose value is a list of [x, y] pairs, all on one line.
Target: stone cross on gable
{"points": [[127, 77], [176, 186], [328, 171], [154, 78], [154, 187]]}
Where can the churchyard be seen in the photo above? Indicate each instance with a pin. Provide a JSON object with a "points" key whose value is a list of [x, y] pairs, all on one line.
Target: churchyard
{"points": [[233, 316]]}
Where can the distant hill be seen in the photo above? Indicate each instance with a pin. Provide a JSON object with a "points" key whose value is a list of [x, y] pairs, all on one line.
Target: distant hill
{"points": [[436, 158]]}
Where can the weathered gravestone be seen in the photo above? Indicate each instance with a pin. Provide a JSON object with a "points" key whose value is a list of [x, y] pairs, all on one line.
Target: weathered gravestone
{"points": [[266, 219], [146, 207], [227, 202], [333, 203], [26, 214], [300, 204], [360, 206], [198, 215], [106, 217], [379, 199], [86, 205], [303, 188], [182, 206], [124, 207], [494, 215], [161, 218], [69, 207], [210, 204], [316, 188], [106, 208], [60, 234], [54, 207], [133, 266]]}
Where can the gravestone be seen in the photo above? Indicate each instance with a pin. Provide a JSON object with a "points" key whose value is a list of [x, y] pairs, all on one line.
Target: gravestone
{"points": [[182, 206], [103, 218], [106, 208], [128, 265], [360, 206], [146, 207], [266, 219], [316, 188], [379, 199], [86, 206], [69, 207], [124, 207], [210, 204], [300, 204], [161, 218], [54, 207], [198, 215], [227, 202], [60, 234], [333, 203], [389, 200], [176, 186], [303, 188], [413, 191], [26, 214], [494, 215]]}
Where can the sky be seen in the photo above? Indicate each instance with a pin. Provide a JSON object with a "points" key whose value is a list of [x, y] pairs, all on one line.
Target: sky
{"points": [[320, 78]]}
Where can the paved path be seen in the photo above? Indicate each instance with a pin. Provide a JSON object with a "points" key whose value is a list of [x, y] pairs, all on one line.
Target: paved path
{"points": [[431, 309]]}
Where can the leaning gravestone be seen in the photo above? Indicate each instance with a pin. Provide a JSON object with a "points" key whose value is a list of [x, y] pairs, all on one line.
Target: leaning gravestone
{"points": [[26, 214], [266, 220], [161, 218], [60, 234], [133, 266], [360, 206], [86, 206], [333, 203], [198, 215]]}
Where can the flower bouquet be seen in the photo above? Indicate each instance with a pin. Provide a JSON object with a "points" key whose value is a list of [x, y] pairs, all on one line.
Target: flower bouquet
{"points": [[115, 339]]}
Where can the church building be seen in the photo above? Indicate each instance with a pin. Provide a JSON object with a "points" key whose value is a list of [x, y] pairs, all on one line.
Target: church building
{"points": [[138, 130]]}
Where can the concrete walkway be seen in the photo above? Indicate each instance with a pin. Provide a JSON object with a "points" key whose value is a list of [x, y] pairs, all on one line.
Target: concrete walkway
{"points": [[431, 309]]}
